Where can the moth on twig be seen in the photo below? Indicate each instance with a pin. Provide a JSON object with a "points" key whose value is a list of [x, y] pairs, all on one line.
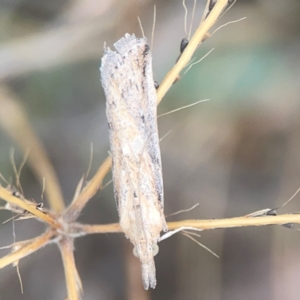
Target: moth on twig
{"points": [[131, 101]]}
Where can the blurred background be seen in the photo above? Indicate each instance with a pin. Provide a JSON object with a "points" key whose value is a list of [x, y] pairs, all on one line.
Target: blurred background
{"points": [[237, 153]]}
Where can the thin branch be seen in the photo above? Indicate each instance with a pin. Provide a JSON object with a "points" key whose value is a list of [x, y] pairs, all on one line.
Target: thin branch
{"points": [[88, 192], [32, 246], [82, 230], [8, 197], [236, 222], [73, 282], [190, 49], [201, 224]]}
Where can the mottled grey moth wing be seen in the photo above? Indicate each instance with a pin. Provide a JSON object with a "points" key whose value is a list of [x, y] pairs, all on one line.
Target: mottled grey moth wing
{"points": [[128, 84]]}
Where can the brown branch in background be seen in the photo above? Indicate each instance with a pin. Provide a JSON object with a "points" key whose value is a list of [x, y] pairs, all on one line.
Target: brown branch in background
{"points": [[14, 121], [75, 39], [88, 192], [73, 282], [26, 249]]}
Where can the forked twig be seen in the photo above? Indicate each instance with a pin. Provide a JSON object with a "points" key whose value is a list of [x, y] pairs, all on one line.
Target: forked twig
{"points": [[25, 250], [10, 198]]}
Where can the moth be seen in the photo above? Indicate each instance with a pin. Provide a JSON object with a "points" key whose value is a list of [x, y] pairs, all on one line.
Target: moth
{"points": [[127, 79]]}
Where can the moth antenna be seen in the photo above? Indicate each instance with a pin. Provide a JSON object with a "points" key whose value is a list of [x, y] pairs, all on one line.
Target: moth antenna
{"points": [[200, 244], [183, 107], [228, 23], [141, 27], [153, 27], [198, 61], [185, 17], [192, 20], [182, 211]]}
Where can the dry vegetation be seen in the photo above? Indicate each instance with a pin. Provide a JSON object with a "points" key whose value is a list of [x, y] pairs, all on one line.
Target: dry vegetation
{"points": [[62, 226]]}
